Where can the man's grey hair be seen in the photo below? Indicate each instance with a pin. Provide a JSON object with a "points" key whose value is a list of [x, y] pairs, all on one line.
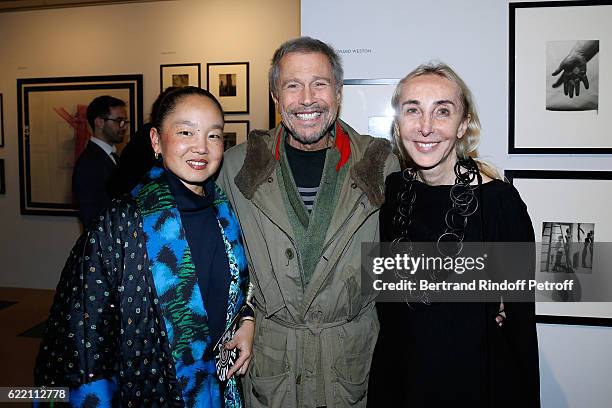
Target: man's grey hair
{"points": [[304, 45]]}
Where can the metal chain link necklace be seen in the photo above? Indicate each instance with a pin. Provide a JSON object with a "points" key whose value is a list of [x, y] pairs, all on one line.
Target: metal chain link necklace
{"points": [[464, 204]]}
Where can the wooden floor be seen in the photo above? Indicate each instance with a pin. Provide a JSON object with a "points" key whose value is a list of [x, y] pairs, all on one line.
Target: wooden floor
{"points": [[18, 322]]}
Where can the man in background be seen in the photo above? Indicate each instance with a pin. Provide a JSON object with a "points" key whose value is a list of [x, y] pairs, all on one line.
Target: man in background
{"points": [[107, 117]]}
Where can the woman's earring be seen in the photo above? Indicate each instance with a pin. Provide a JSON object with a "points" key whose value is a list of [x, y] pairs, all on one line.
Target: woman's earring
{"points": [[156, 156]]}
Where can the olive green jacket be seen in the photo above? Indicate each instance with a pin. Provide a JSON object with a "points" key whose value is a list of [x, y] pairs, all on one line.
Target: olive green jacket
{"points": [[313, 343]]}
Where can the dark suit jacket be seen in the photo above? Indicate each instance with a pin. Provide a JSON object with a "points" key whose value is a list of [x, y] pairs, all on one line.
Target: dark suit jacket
{"points": [[90, 179], [137, 158]]}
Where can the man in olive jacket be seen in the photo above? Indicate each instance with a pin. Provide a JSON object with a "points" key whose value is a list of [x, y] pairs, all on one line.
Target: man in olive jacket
{"points": [[307, 194]]}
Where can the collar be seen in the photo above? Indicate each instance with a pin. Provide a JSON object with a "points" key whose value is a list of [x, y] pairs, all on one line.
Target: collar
{"points": [[187, 200], [367, 172], [342, 143], [108, 149]]}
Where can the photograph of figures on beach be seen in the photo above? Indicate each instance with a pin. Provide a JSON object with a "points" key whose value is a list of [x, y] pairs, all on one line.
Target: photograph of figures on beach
{"points": [[567, 247]]}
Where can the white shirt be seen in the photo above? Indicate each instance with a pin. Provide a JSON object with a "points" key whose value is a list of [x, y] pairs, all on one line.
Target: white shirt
{"points": [[108, 149]]}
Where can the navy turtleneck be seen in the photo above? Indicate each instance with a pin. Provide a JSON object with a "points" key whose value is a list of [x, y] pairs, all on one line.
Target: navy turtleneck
{"points": [[207, 249]]}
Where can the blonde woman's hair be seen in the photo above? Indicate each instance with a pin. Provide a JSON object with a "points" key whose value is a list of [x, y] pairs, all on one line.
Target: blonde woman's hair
{"points": [[465, 147]]}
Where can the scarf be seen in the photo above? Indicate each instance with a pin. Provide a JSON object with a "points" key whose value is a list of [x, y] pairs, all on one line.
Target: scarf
{"points": [[310, 229], [180, 300]]}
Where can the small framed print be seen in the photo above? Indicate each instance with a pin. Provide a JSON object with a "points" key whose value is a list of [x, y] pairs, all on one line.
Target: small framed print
{"points": [[235, 132], [179, 75], [569, 211], [229, 82], [1, 122]]}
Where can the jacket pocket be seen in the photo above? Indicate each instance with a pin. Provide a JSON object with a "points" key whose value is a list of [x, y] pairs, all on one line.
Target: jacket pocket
{"points": [[271, 392], [350, 394], [353, 361]]}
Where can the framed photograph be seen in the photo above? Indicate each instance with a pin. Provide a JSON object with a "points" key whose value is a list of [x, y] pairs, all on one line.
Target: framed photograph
{"points": [[235, 132], [274, 117], [558, 100], [229, 82], [53, 131], [570, 215], [2, 178], [1, 122], [366, 106], [180, 75]]}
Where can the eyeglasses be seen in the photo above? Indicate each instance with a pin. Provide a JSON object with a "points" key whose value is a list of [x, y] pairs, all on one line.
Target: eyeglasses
{"points": [[119, 121]]}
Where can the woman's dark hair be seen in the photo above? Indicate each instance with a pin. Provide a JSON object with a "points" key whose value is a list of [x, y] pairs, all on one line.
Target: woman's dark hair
{"points": [[172, 98], [155, 106]]}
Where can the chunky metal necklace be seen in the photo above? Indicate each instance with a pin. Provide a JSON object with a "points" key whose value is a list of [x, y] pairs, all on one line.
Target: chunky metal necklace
{"points": [[464, 204]]}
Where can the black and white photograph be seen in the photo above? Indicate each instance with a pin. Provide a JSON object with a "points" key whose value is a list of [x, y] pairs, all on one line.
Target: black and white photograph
{"points": [[180, 75], [180, 80], [235, 132], [558, 57], [229, 83], [569, 211], [367, 106], [229, 140], [567, 247], [572, 75]]}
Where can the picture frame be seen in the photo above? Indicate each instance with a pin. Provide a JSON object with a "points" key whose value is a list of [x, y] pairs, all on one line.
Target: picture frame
{"points": [[1, 122], [235, 132], [2, 178], [229, 82], [180, 75], [366, 105], [576, 203], [551, 111], [53, 131], [274, 117]]}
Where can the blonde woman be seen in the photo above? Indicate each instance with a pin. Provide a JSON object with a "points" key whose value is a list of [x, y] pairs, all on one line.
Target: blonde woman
{"points": [[450, 354]]}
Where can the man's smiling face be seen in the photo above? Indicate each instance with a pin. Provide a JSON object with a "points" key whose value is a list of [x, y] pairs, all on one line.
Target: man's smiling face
{"points": [[308, 98]]}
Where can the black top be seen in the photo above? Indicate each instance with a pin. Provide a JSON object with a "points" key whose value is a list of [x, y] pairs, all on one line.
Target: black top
{"points": [[306, 166], [454, 354], [207, 249]]}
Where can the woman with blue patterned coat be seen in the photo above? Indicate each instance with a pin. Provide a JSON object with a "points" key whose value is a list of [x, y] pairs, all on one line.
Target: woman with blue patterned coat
{"points": [[152, 286]]}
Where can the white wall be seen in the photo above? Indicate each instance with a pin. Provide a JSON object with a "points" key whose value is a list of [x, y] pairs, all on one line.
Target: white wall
{"points": [[471, 36], [119, 39]]}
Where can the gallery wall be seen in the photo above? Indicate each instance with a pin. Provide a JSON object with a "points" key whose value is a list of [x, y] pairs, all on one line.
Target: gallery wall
{"points": [[385, 40], [112, 40]]}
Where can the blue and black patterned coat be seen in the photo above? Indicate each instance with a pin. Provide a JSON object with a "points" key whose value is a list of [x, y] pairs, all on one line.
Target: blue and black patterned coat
{"points": [[128, 325]]}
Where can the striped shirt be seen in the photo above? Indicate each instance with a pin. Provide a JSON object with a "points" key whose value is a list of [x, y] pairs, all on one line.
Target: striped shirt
{"points": [[308, 195], [307, 168]]}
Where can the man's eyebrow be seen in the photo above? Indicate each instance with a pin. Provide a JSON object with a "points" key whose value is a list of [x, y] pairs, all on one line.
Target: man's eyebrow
{"points": [[286, 81]]}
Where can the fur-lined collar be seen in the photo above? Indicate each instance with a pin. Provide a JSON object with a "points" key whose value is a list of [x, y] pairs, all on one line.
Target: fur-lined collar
{"points": [[367, 173]]}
